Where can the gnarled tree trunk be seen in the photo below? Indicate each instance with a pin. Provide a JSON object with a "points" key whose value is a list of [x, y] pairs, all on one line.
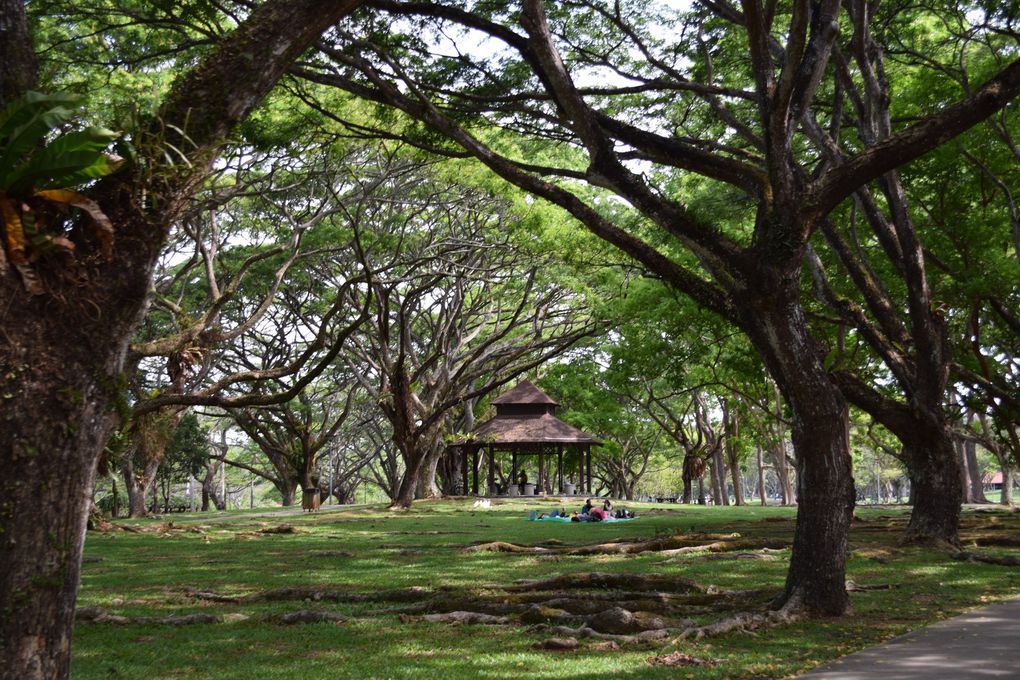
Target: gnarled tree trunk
{"points": [[62, 353], [935, 479], [139, 484], [1008, 481], [974, 476], [825, 489]]}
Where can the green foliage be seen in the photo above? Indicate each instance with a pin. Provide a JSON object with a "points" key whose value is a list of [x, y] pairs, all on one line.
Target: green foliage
{"points": [[36, 154], [187, 451], [39, 161]]}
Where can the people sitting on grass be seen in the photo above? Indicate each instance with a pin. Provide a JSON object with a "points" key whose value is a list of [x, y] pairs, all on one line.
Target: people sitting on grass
{"points": [[592, 513]]}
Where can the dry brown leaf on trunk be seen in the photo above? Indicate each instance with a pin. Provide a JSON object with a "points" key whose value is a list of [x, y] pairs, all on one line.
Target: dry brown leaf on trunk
{"points": [[16, 246], [103, 228]]}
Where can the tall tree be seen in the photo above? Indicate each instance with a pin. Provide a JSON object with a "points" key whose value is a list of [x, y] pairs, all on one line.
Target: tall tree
{"points": [[62, 351], [723, 97], [457, 309], [294, 436]]}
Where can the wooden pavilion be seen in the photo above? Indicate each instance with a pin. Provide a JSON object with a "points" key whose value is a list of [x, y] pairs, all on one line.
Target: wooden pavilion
{"points": [[525, 424]]}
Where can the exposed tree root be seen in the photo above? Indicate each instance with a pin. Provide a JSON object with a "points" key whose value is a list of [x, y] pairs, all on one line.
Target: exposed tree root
{"points": [[564, 644], [503, 546], [996, 541], [586, 632], [308, 616], [679, 659], [100, 615], [766, 556], [546, 607], [932, 543], [606, 581], [460, 617], [728, 546], [668, 545], [854, 587], [747, 621], [442, 605], [211, 596], [314, 595], [1006, 561]]}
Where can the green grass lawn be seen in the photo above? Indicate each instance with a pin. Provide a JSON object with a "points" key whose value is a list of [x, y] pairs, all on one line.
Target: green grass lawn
{"points": [[370, 549]]}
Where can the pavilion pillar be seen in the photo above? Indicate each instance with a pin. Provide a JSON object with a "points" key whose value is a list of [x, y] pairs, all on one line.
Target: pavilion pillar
{"points": [[580, 470], [541, 470], [559, 468], [474, 470], [464, 469], [588, 456], [513, 470], [492, 471]]}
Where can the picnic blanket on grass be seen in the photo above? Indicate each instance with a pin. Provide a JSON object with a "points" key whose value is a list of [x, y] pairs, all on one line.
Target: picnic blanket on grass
{"points": [[568, 520]]}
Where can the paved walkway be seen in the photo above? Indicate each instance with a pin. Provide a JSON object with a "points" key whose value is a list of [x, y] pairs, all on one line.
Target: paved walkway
{"points": [[982, 644]]}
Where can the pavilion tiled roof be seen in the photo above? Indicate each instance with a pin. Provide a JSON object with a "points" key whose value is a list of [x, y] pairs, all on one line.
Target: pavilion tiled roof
{"points": [[526, 392], [531, 429]]}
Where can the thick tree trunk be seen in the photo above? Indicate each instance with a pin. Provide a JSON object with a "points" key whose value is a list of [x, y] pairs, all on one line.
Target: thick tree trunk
{"points": [[935, 479], [18, 65], [778, 452], [719, 473], [427, 484], [761, 477], [1008, 480], [777, 326], [62, 353], [151, 434], [968, 490], [116, 498], [408, 485], [288, 490], [54, 421], [732, 432], [140, 484], [718, 480], [210, 493], [415, 461], [977, 486]]}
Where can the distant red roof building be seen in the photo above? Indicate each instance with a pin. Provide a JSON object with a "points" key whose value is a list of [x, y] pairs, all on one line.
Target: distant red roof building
{"points": [[994, 478]]}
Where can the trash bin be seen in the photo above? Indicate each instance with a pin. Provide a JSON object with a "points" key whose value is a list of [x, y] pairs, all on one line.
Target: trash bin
{"points": [[529, 490], [568, 488]]}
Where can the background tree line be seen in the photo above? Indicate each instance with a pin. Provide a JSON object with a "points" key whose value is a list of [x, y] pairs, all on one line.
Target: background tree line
{"points": [[813, 204]]}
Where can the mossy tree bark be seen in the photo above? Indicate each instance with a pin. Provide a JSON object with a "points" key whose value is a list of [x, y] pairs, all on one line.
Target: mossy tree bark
{"points": [[62, 353]]}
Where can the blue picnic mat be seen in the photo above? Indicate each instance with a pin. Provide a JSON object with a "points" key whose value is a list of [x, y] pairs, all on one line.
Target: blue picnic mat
{"points": [[567, 519]]}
